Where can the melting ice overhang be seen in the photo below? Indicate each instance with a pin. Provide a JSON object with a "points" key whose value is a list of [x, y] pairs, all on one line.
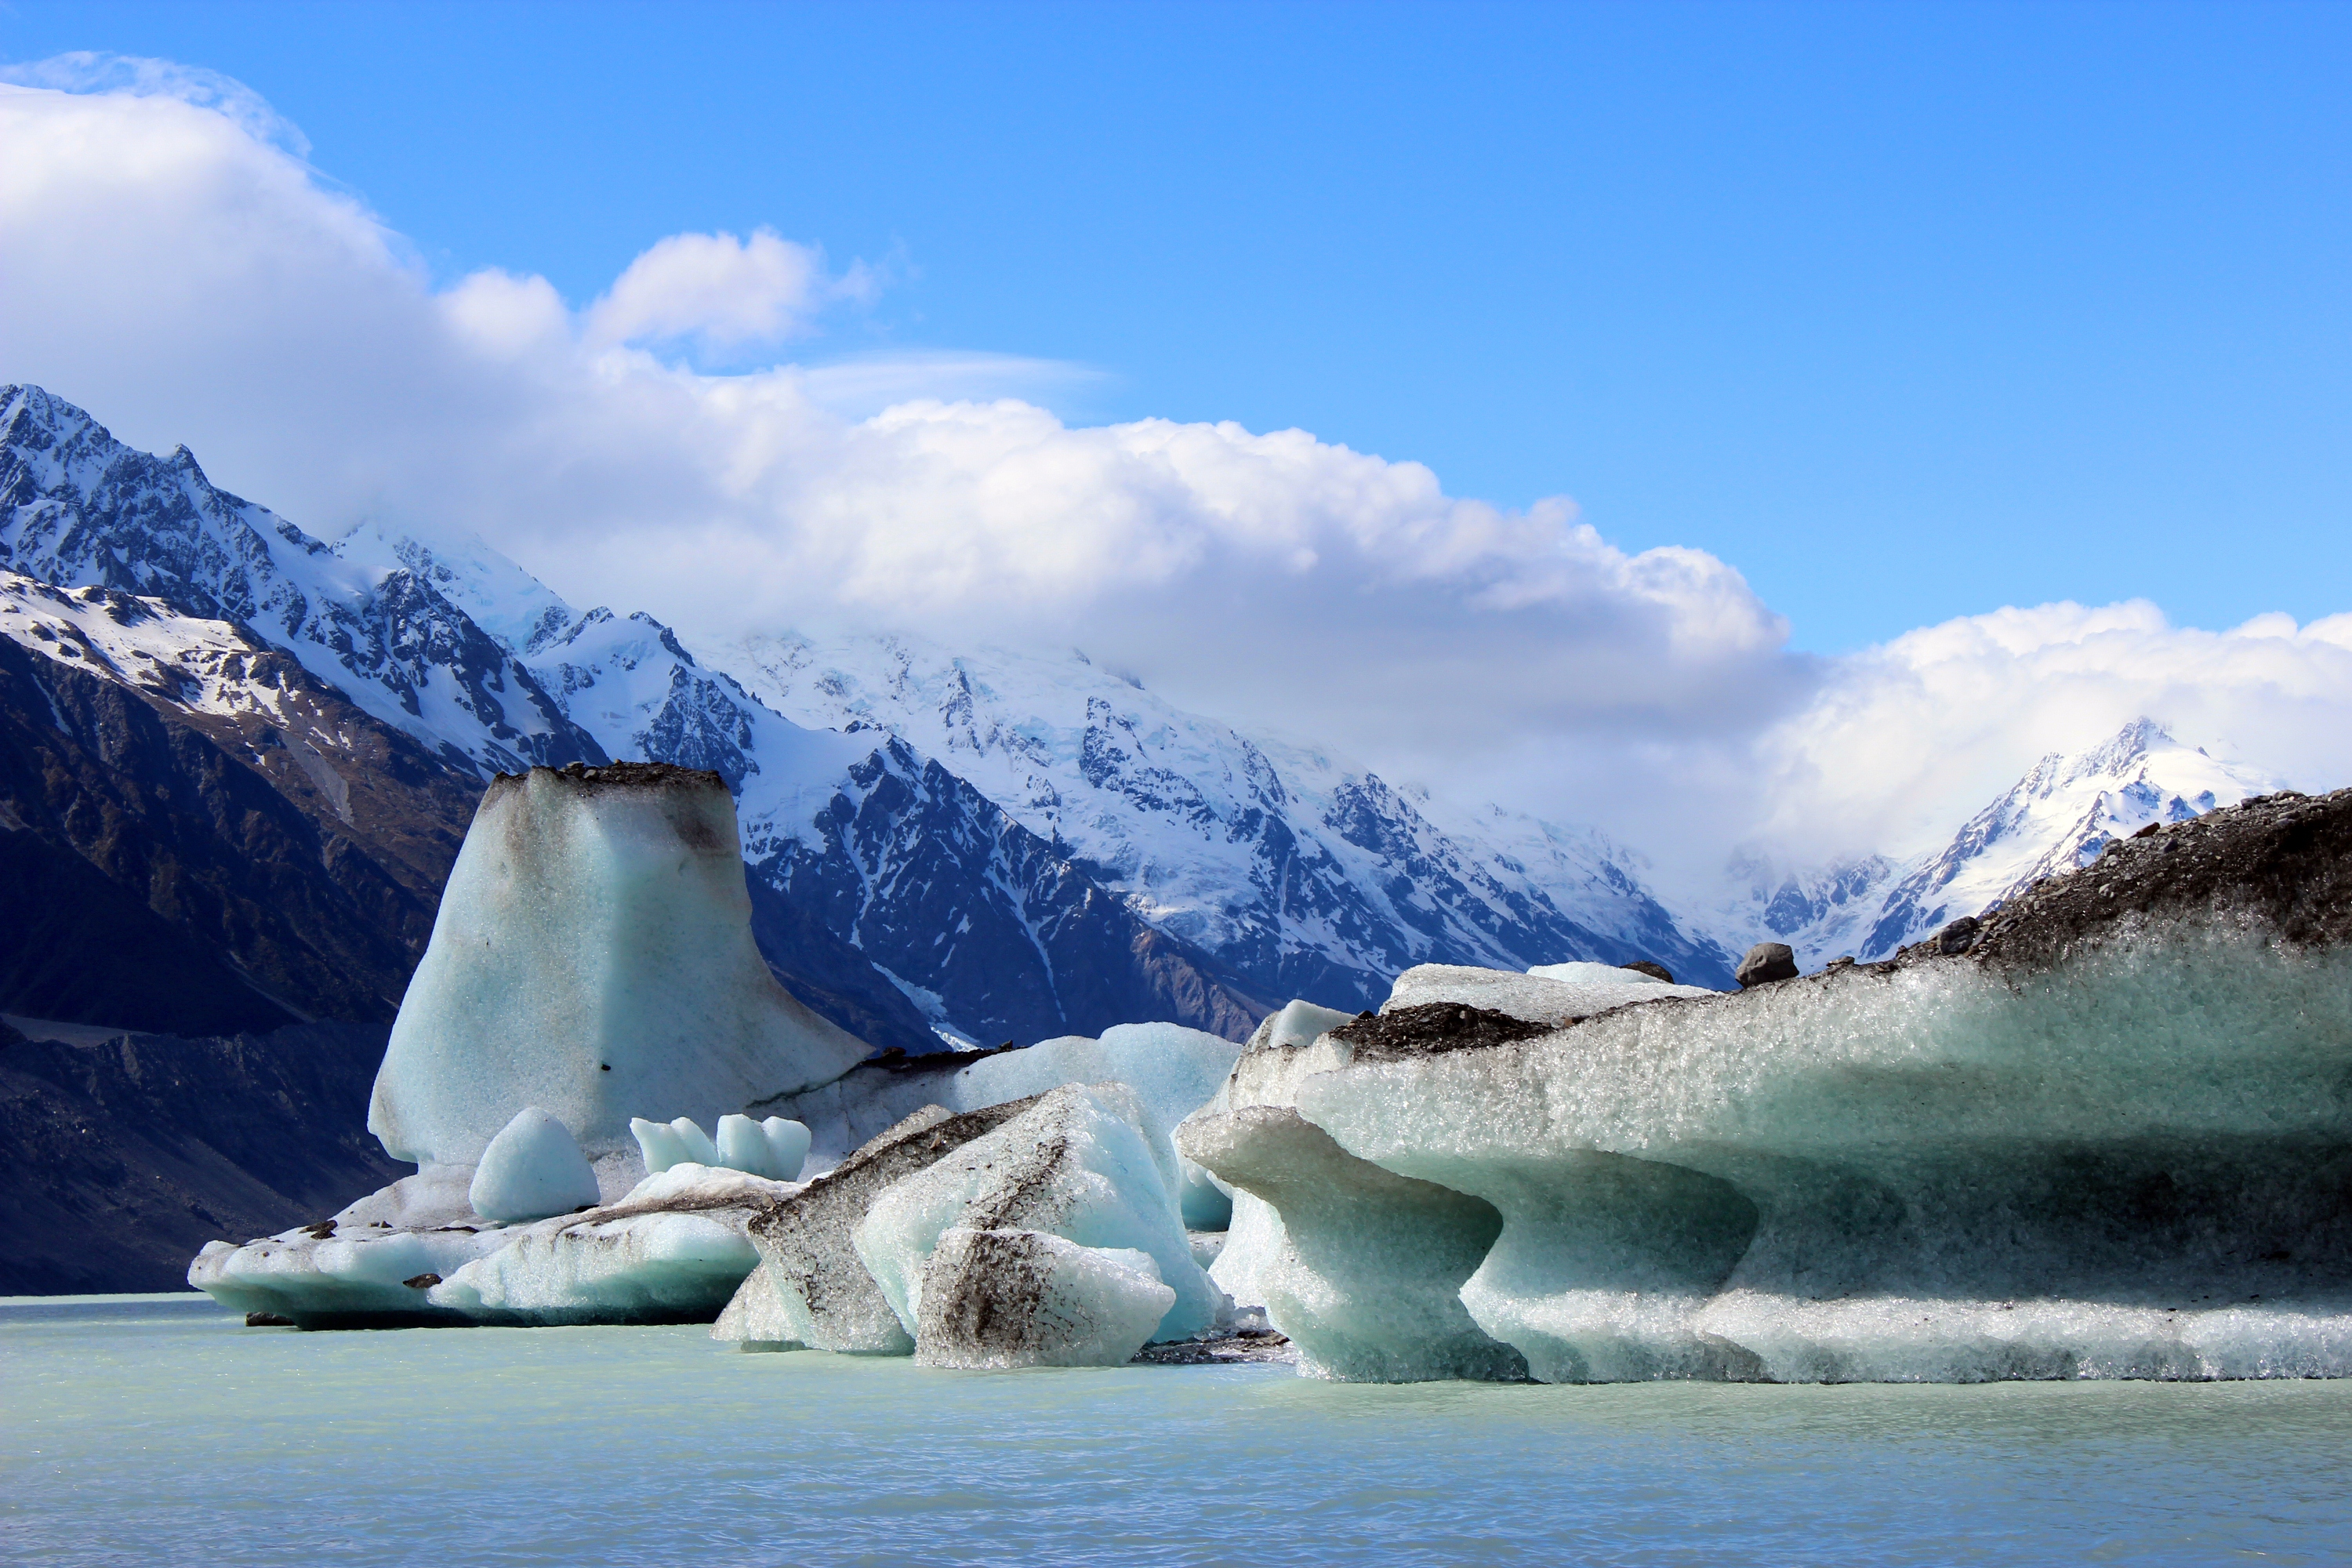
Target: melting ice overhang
{"points": [[2116, 1137]]}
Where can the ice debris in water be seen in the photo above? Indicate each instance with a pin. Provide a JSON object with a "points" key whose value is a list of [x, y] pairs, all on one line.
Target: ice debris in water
{"points": [[1076, 1165], [672, 1250], [532, 1169], [775, 1148], [1025, 1298], [592, 956]]}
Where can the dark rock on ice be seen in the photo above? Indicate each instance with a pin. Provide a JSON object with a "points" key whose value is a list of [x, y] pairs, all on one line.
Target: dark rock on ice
{"points": [[1433, 1027], [1655, 971], [1766, 962]]}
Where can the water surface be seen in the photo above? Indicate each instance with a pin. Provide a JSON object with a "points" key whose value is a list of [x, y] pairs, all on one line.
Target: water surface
{"points": [[158, 1429]]}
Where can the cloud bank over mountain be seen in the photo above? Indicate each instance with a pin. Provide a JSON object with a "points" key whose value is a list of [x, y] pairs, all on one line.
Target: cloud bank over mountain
{"points": [[171, 257]]}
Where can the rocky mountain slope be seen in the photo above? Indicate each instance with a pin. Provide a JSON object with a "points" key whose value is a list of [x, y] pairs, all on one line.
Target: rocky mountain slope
{"points": [[125, 1155]]}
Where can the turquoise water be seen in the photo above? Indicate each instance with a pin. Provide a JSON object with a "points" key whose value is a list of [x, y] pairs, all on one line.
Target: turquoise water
{"points": [[157, 1429]]}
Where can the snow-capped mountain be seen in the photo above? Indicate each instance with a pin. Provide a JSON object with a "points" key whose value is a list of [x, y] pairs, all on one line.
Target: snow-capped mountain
{"points": [[1309, 875], [79, 508], [2058, 817]]}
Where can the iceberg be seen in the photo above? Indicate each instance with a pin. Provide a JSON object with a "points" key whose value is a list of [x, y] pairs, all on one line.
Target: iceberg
{"points": [[675, 1251], [1024, 1298], [592, 956], [753, 1318], [825, 1299], [1079, 1165], [532, 1169], [2102, 1134]]}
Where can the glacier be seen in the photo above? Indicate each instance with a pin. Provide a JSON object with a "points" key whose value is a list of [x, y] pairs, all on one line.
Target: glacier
{"points": [[2109, 1136]]}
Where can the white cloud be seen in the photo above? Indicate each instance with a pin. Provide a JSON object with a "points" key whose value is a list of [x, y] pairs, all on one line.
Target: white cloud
{"points": [[725, 293], [1905, 737], [186, 276]]}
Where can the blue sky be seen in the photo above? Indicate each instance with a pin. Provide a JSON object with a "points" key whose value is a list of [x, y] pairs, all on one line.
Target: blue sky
{"points": [[1906, 312]]}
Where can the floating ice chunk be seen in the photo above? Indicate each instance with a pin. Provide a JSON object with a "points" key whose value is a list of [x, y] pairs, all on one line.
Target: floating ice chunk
{"points": [[387, 1257], [675, 1250], [753, 1319], [593, 956], [660, 1142], [1367, 1277], [532, 1169], [1077, 1164], [827, 1300], [325, 1274], [696, 1143], [1023, 1298], [659, 1268], [788, 1147], [1956, 1168], [1533, 996]]}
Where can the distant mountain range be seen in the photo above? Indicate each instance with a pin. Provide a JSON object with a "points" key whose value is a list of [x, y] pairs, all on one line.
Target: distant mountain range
{"points": [[236, 762]]}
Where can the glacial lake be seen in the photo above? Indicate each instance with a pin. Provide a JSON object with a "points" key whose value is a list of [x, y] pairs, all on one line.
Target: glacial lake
{"points": [[158, 1429]]}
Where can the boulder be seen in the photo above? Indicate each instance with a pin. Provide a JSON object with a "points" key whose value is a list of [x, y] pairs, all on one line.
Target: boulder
{"points": [[1766, 962]]}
